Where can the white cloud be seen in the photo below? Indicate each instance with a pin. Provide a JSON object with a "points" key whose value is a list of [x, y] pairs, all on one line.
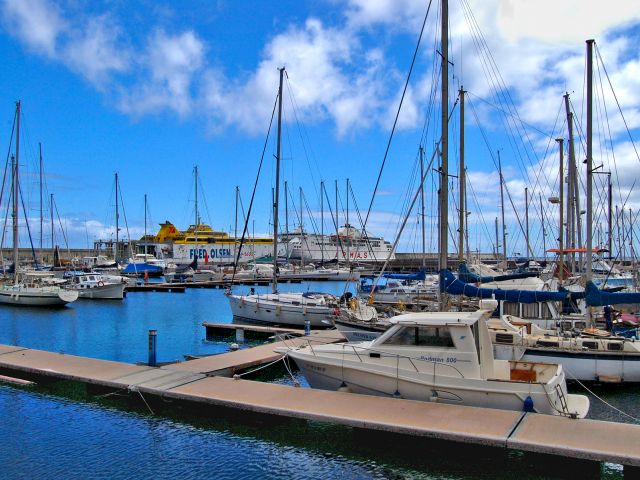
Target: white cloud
{"points": [[37, 22]]}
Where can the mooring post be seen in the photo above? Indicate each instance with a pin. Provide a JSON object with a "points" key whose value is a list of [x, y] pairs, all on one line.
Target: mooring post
{"points": [[307, 327], [153, 334], [240, 335]]}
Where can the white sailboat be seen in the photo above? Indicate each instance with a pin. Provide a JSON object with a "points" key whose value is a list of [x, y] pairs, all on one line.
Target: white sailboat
{"points": [[27, 293], [296, 308]]}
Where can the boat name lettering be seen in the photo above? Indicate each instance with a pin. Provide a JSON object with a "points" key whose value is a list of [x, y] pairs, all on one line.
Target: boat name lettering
{"points": [[439, 359], [203, 253]]}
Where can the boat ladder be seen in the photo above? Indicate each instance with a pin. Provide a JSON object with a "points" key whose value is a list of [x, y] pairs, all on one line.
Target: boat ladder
{"points": [[563, 400]]}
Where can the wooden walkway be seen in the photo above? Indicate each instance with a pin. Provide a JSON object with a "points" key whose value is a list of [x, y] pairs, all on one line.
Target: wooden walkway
{"points": [[191, 382]]}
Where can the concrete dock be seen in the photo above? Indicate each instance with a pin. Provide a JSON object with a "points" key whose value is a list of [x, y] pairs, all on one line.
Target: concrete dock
{"points": [[245, 332], [195, 383]]}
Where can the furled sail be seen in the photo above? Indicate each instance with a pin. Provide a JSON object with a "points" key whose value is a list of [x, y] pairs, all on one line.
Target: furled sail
{"points": [[467, 276], [598, 298], [454, 286]]}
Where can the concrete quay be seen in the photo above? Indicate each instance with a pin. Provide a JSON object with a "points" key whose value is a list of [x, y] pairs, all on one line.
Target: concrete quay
{"points": [[197, 383]]}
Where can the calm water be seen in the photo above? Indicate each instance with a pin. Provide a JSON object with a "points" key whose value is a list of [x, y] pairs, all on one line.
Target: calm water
{"points": [[46, 436]]}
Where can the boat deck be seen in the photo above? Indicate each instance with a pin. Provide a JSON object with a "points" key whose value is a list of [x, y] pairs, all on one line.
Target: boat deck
{"points": [[191, 382]]}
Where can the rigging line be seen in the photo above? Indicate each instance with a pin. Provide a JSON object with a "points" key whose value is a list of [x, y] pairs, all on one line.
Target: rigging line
{"points": [[255, 186], [395, 121], [26, 221], [406, 218], [204, 199], [617, 102], [366, 235], [6, 163], [126, 224], [302, 132], [64, 233]]}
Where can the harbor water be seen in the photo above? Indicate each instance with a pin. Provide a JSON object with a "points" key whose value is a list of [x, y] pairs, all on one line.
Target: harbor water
{"points": [[45, 435]]}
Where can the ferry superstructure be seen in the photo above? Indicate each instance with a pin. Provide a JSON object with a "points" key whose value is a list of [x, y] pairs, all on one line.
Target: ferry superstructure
{"points": [[349, 245]]}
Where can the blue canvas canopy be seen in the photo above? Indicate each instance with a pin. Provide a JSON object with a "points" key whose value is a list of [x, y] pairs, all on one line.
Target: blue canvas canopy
{"points": [[599, 298], [454, 286], [419, 275]]}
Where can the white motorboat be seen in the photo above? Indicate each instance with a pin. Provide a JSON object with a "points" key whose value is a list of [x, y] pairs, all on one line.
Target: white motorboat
{"points": [[440, 357], [594, 355], [95, 286]]}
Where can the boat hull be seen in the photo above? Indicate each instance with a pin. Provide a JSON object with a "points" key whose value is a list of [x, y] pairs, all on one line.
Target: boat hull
{"points": [[255, 309], [36, 297], [348, 375], [108, 291]]}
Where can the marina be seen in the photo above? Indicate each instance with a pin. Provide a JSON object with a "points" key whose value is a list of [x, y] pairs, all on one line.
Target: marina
{"points": [[387, 264]]}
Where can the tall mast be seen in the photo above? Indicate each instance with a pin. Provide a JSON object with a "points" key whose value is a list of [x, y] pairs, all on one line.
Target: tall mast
{"points": [[497, 241], [424, 260], [444, 174], [338, 243], [117, 221], [504, 227], [526, 220], [286, 208], [561, 237], [274, 284], [609, 214], [235, 227], [462, 181], [53, 244], [321, 220], [301, 222], [41, 210], [544, 230], [16, 195], [572, 211], [589, 161], [145, 226], [195, 179], [348, 229]]}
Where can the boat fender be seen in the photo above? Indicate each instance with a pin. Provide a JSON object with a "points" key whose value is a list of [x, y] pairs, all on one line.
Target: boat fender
{"points": [[527, 406], [101, 283]]}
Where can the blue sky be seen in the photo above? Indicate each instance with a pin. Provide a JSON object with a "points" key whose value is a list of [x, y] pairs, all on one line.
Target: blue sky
{"points": [[149, 89]]}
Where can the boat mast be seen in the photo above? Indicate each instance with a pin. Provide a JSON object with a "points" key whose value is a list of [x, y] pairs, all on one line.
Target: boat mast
{"points": [[424, 251], [348, 229], [321, 221], [444, 167], [526, 220], [286, 209], [338, 243], [117, 221], [41, 211], [274, 284], [561, 237], [235, 227], [462, 180], [504, 227], [16, 195], [573, 211], [145, 227], [609, 216], [53, 245], [589, 165], [197, 214]]}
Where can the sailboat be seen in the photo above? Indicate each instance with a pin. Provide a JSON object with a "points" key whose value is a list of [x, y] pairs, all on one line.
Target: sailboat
{"points": [[28, 292], [297, 308]]}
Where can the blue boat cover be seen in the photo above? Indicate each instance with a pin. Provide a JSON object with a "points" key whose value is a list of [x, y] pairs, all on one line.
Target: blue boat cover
{"points": [[599, 298], [141, 268], [419, 275], [467, 276], [454, 286]]}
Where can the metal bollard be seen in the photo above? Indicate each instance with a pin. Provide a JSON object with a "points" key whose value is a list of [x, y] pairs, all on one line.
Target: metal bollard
{"points": [[153, 334], [307, 327]]}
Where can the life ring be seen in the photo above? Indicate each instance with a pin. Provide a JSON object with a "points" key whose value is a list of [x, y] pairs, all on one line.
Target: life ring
{"points": [[100, 283]]}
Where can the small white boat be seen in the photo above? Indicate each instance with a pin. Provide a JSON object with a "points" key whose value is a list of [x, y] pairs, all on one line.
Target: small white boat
{"points": [[439, 357], [31, 295], [95, 286]]}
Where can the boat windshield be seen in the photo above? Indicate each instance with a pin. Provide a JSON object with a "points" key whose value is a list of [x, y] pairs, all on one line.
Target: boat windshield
{"points": [[421, 336]]}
